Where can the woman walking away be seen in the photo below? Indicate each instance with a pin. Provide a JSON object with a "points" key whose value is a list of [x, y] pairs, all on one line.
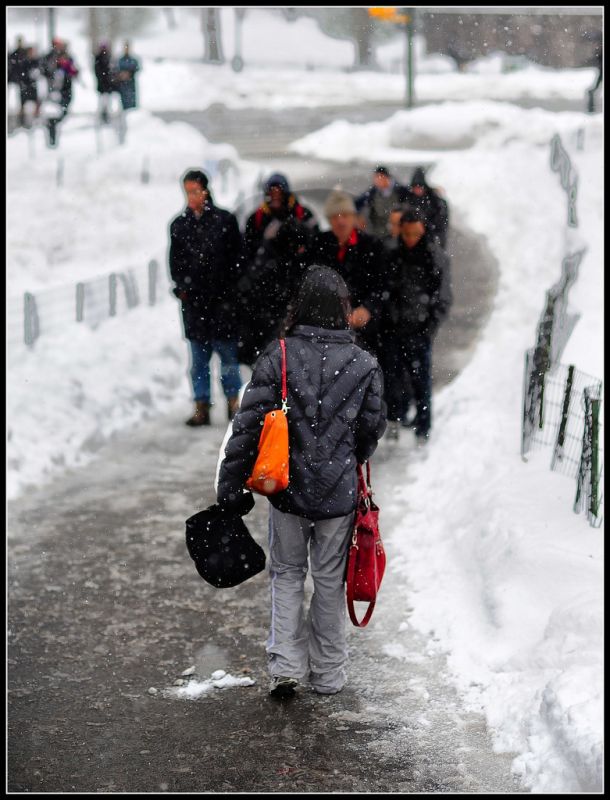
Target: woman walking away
{"points": [[336, 417]]}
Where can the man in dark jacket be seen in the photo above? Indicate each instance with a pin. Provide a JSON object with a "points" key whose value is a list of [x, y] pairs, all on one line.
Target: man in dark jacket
{"points": [[277, 239], [360, 260], [419, 297], [379, 199], [104, 75], [16, 60], [434, 207], [205, 261]]}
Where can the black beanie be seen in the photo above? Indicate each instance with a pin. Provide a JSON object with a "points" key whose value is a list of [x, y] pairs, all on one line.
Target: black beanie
{"points": [[419, 177]]}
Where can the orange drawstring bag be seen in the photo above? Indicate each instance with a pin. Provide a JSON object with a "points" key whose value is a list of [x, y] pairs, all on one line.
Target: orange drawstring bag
{"points": [[270, 471]]}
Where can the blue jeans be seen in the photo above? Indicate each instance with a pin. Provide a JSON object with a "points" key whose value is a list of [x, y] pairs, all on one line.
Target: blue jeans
{"points": [[200, 368]]}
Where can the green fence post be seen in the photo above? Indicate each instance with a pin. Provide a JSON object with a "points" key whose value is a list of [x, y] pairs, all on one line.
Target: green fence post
{"points": [[567, 394], [594, 498]]}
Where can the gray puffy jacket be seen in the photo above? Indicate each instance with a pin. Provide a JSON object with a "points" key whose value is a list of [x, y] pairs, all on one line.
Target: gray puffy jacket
{"points": [[336, 417]]}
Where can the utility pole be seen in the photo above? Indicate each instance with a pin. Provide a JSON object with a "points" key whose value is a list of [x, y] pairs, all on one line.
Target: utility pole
{"points": [[400, 17], [410, 60], [212, 39], [238, 63], [51, 24]]}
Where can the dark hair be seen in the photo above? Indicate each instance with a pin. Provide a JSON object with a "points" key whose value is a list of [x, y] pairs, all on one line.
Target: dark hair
{"points": [[412, 215], [196, 175], [322, 300], [381, 170]]}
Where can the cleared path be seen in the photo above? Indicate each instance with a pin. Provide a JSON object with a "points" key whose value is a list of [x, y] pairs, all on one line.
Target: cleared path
{"points": [[104, 603]]}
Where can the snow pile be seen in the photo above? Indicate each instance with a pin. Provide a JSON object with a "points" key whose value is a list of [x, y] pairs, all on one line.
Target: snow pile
{"points": [[219, 679], [77, 385], [496, 563]]}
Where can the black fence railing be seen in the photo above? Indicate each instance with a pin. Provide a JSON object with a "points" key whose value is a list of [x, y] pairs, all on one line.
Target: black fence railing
{"points": [[561, 405]]}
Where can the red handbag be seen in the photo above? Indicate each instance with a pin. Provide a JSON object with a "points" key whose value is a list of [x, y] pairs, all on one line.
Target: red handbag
{"points": [[366, 557]]}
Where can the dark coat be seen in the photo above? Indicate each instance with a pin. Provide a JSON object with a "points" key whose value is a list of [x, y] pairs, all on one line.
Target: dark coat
{"points": [[127, 67], [16, 62], [419, 289], [28, 83], [336, 417], [206, 264], [363, 269], [435, 210], [277, 249], [104, 72]]}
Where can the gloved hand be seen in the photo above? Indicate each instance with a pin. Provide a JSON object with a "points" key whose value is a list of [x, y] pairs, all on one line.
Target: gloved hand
{"points": [[181, 294], [241, 503], [272, 228]]}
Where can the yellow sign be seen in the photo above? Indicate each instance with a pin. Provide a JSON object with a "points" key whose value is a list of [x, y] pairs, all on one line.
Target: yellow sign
{"points": [[388, 14]]}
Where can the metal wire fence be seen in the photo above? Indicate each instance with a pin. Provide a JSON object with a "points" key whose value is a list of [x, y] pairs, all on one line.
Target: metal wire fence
{"points": [[86, 302], [561, 405]]}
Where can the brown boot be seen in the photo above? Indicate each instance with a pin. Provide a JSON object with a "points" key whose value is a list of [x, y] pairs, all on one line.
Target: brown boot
{"points": [[201, 415], [232, 406]]}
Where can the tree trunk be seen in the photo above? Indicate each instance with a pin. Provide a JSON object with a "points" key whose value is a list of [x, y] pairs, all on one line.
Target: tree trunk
{"points": [[362, 27], [212, 38]]}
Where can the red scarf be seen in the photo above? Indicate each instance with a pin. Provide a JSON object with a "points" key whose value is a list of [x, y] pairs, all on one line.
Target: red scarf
{"points": [[342, 251]]}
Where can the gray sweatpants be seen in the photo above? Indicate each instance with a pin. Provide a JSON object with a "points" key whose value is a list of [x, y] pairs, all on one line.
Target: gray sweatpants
{"points": [[314, 646]]}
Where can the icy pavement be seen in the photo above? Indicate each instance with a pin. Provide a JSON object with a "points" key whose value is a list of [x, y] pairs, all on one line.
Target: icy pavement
{"points": [[105, 603]]}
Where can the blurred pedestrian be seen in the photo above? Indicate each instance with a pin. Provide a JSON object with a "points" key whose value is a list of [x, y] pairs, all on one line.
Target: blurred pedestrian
{"points": [[105, 78], [359, 258], [277, 238], [434, 207], [205, 261], [127, 66], [28, 85], [418, 300], [60, 70], [15, 61], [376, 203], [336, 417], [48, 63]]}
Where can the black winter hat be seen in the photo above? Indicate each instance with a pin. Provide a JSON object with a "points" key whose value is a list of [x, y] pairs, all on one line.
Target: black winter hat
{"points": [[381, 170], [419, 177], [220, 544], [277, 179]]}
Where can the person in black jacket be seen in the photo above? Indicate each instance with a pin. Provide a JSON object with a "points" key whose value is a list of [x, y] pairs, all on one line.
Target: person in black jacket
{"points": [[336, 416], [15, 62], [105, 77], [206, 263], [419, 297], [28, 84], [429, 201], [277, 238], [359, 258]]}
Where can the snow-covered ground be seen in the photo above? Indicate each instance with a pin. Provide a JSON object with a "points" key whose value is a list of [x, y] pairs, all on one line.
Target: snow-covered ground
{"points": [[494, 559]]}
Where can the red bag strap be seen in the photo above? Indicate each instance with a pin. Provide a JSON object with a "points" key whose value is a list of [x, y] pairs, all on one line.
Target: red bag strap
{"points": [[284, 381], [364, 486], [351, 575]]}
